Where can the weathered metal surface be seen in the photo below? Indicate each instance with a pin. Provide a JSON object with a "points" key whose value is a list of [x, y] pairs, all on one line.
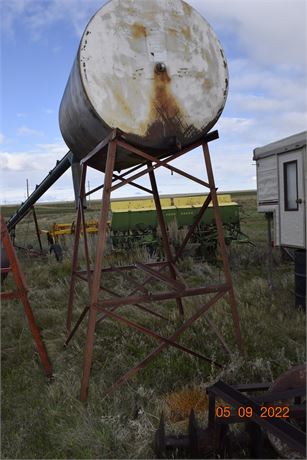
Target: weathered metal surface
{"points": [[96, 276], [197, 443], [218, 441], [154, 69], [286, 432], [4, 264], [294, 379], [21, 293]]}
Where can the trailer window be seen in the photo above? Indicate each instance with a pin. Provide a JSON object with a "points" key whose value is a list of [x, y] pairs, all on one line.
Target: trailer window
{"points": [[291, 190]]}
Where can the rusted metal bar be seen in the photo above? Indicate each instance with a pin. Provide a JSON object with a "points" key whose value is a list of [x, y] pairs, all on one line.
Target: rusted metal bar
{"points": [[178, 275], [103, 316], [251, 386], [285, 431], [130, 279], [223, 250], [108, 139], [5, 269], [280, 395], [131, 300], [165, 240], [130, 179], [37, 230], [140, 187], [193, 227], [75, 255], [11, 295], [140, 307], [86, 251], [186, 239], [157, 165], [22, 294], [158, 350], [126, 267], [108, 306], [174, 283], [76, 326], [209, 137], [96, 281], [164, 163], [81, 277], [159, 337], [119, 177]]}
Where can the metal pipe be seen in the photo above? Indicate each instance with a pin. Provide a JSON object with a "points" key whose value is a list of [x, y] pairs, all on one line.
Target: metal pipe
{"points": [[60, 168]]}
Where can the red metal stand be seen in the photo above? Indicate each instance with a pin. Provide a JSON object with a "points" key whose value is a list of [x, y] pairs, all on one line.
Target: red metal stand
{"points": [[165, 272], [21, 293]]}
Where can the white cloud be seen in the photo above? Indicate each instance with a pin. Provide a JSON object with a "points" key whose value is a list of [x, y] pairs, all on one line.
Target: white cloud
{"points": [[270, 31], [267, 99], [38, 15], [25, 130], [34, 165], [48, 111], [236, 125], [41, 159]]}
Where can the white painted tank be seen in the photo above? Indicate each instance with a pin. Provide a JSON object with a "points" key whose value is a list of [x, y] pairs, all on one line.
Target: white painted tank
{"points": [[152, 68]]}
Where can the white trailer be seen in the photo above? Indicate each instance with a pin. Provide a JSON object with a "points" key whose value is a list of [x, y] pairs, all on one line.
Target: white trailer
{"points": [[282, 187]]}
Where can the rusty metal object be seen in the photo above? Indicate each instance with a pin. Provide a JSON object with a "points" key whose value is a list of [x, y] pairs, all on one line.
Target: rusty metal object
{"points": [[196, 444], [21, 293], [163, 272], [292, 379], [153, 69], [217, 440], [289, 434], [4, 264]]}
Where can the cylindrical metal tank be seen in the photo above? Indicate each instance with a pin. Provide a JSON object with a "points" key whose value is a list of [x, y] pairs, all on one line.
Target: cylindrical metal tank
{"points": [[152, 68]]}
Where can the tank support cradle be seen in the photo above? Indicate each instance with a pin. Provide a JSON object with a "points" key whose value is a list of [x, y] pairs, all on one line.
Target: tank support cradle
{"points": [[164, 272], [21, 293]]}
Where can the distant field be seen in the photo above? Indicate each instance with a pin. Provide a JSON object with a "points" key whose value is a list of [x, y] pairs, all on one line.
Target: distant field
{"points": [[47, 421]]}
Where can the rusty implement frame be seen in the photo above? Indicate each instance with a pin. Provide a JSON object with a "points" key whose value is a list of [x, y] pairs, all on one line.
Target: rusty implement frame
{"points": [[21, 293], [287, 432], [165, 272]]}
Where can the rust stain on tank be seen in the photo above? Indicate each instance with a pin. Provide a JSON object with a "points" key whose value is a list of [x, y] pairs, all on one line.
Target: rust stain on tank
{"points": [[186, 32], [167, 120], [166, 116], [123, 103], [164, 104], [207, 84], [139, 31]]}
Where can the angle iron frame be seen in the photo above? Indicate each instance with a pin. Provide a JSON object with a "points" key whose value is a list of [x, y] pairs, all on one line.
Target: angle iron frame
{"points": [[21, 293], [98, 310]]}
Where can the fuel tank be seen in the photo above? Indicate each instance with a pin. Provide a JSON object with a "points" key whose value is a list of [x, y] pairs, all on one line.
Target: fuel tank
{"points": [[152, 68]]}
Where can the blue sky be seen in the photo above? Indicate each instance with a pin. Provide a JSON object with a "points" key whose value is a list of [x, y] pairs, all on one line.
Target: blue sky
{"points": [[265, 45]]}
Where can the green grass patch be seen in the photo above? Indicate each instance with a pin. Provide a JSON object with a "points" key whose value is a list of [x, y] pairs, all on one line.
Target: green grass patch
{"points": [[47, 421]]}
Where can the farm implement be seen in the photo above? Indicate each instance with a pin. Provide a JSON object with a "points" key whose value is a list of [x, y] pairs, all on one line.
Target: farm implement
{"points": [[133, 222]]}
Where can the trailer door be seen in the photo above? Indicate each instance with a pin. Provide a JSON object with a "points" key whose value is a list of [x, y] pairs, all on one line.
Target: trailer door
{"points": [[292, 206]]}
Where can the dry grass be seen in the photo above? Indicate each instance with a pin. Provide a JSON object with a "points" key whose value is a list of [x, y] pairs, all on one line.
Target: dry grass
{"points": [[45, 421]]}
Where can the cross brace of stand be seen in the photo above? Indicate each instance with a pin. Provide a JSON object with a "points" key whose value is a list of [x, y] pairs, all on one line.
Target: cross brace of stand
{"points": [[22, 294], [164, 272]]}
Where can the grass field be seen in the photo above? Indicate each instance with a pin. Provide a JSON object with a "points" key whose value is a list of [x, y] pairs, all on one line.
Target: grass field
{"points": [[47, 421]]}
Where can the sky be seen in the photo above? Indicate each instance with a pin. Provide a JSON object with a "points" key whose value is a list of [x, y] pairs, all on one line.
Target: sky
{"points": [[265, 44]]}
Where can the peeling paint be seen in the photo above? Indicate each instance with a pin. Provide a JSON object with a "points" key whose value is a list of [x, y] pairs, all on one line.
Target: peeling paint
{"points": [[138, 30], [114, 83]]}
